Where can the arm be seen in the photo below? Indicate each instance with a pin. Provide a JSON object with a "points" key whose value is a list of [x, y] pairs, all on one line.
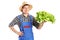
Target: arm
{"points": [[15, 31], [41, 25], [37, 25], [11, 26]]}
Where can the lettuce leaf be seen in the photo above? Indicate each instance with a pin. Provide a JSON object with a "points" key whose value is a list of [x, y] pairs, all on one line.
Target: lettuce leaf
{"points": [[44, 16]]}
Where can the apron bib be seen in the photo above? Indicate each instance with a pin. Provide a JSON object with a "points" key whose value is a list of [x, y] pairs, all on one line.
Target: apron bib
{"points": [[26, 28]]}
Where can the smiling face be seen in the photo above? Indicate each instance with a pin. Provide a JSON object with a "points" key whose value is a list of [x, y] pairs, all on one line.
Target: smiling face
{"points": [[26, 8]]}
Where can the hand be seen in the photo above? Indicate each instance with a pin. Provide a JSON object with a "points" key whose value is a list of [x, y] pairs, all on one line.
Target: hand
{"points": [[14, 30], [20, 33], [41, 24], [44, 22]]}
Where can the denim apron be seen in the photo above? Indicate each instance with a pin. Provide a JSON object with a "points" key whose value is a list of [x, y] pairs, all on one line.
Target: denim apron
{"points": [[26, 28]]}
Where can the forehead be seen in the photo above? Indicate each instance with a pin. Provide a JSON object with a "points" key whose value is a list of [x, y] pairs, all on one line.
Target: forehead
{"points": [[27, 6]]}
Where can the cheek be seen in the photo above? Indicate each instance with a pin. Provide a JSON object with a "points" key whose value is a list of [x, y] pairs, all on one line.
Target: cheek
{"points": [[28, 9], [25, 9]]}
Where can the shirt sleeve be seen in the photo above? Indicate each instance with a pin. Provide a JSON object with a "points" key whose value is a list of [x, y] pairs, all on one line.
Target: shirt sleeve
{"points": [[15, 21], [35, 23]]}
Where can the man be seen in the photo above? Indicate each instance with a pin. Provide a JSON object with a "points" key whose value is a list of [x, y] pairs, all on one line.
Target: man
{"points": [[25, 22]]}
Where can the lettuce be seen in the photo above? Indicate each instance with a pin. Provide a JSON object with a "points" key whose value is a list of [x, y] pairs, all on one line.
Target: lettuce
{"points": [[44, 16]]}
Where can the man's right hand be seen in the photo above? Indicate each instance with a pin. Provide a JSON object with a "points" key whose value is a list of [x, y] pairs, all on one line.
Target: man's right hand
{"points": [[14, 30], [20, 33]]}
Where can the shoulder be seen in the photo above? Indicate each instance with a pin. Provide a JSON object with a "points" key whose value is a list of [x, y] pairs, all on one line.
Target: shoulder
{"points": [[18, 16], [32, 16]]}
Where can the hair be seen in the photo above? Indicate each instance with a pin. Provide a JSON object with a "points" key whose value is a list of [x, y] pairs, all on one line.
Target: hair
{"points": [[24, 5]]}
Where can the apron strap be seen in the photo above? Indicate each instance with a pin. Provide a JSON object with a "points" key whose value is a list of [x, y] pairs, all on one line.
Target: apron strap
{"points": [[20, 18], [31, 18]]}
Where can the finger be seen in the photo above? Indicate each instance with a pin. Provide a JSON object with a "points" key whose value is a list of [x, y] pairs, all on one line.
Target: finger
{"points": [[21, 34]]}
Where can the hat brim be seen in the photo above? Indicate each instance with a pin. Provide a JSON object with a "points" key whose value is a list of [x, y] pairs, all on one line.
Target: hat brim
{"points": [[30, 6]]}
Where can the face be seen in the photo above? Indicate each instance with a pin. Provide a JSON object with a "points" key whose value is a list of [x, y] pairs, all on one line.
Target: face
{"points": [[26, 9]]}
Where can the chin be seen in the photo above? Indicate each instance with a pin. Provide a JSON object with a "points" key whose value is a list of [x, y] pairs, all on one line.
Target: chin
{"points": [[26, 12]]}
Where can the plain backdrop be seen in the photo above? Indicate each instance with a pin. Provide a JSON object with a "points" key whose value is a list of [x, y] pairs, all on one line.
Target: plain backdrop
{"points": [[9, 9]]}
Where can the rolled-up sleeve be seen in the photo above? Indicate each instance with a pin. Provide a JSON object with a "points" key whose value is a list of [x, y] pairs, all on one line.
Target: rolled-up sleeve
{"points": [[14, 22], [35, 23]]}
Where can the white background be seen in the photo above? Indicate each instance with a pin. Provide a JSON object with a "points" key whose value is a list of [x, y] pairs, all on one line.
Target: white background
{"points": [[9, 9]]}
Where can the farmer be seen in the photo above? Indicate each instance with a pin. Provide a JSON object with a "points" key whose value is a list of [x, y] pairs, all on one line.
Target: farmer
{"points": [[25, 21]]}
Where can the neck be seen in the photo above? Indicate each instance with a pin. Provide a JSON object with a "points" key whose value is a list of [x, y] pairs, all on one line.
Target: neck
{"points": [[25, 14]]}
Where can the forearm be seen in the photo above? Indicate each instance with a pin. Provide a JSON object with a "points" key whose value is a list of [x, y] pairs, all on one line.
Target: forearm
{"points": [[40, 25], [13, 29]]}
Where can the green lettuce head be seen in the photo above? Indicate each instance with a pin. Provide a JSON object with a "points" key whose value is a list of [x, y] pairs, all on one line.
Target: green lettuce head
{"points": [[44, 16]]}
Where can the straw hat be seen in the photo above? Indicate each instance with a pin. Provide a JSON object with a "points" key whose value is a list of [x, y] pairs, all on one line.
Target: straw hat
{"points": [[24, 3]]}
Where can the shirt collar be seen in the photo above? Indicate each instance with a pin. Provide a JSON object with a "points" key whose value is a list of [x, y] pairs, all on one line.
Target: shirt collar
{"points": [[24, 16]]}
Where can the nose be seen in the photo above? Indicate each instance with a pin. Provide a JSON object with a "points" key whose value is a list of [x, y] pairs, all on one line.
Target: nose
{"points": [[26, 8]]}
